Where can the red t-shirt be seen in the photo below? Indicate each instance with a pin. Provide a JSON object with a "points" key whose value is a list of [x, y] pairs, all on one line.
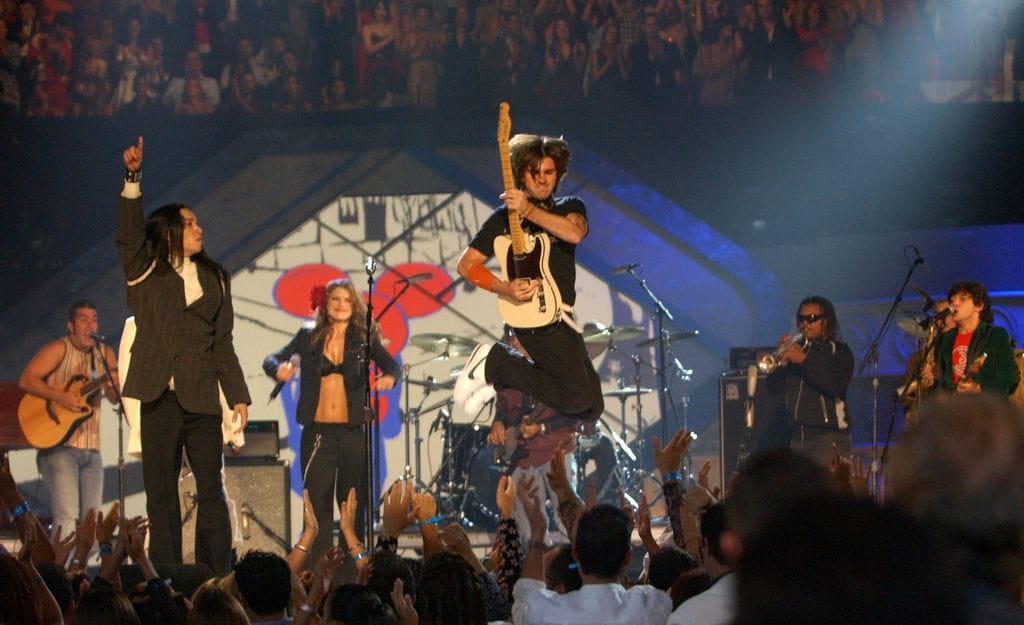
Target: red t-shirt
{"points": [[960, 355]]}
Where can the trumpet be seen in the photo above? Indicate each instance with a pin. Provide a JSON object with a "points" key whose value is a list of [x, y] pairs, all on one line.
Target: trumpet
{"points": [[766, 363]]}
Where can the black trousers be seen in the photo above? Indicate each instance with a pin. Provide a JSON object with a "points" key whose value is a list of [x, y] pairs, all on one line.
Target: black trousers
{"points": [[561, 374], [167, 429], [338, 465]]}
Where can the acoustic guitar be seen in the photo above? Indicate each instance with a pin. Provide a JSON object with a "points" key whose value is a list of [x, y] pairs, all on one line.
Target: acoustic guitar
{"points": [[46, 423], [523, 255]]}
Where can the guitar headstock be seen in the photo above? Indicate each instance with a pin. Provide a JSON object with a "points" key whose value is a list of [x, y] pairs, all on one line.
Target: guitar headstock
{"points": [[504, 124]]}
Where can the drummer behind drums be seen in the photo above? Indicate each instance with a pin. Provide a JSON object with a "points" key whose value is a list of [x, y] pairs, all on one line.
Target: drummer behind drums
{"points": [[528, 433]]}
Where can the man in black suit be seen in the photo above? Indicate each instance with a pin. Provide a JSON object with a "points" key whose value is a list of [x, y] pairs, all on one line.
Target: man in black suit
{"points": [[183, 348]]}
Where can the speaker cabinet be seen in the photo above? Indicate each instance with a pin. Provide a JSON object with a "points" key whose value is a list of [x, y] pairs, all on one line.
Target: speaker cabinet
{"points": [[257, 492], [770, 429]]}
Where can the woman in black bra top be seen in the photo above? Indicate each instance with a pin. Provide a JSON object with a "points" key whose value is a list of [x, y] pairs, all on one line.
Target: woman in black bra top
{"points": [[330, 403]]}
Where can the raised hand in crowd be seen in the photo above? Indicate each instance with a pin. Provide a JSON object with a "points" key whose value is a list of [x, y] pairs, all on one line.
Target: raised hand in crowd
{"points": [[505, 497], [323, 576], [425, 509], [398, 511], [643, 526], [24, 519], [669, 460], [453, 538], [839, 470], [310, 528], [85, 541], [347, 522], [569, 504], [62, 545], [702, 481], [860, 477], [404, 605]]}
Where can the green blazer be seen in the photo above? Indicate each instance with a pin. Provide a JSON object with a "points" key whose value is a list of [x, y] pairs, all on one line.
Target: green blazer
{"points": [[999, 374]]}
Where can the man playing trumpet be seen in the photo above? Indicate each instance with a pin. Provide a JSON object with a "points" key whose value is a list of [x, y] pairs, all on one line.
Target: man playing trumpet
{"points": [[814, 374]]}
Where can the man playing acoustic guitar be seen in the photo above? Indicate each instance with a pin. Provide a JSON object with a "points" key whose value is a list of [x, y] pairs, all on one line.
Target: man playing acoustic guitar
{"points": [[61, 374], [560, 373]]}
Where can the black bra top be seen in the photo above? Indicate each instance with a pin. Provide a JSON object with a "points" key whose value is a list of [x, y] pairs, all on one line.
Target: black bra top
{"points": [[327, 367]]}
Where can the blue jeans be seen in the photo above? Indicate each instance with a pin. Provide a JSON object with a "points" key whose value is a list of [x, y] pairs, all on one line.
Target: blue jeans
{"points": [[74, 478]]}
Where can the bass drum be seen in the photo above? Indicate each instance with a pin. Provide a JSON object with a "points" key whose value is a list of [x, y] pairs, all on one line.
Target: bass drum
{"points": [[1017, 398], [473, 477]]}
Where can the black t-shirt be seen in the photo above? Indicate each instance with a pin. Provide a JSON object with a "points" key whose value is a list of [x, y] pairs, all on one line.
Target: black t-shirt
{"points": [[562, 262]]}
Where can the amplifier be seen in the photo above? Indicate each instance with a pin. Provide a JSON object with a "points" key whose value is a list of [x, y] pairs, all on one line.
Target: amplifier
{"points": [[770, 429], [258, 500], [262, 441]]}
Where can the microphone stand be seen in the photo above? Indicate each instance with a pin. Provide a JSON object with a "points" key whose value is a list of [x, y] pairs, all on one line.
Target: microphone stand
{"points": [[121, 418], [872, 357], [660, 313], [368, 413], [376, 445]]}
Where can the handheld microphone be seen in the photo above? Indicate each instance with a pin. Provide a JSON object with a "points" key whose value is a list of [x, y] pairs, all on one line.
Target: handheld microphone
{"points": [[621, 269], [292, 362], [413, 279]]}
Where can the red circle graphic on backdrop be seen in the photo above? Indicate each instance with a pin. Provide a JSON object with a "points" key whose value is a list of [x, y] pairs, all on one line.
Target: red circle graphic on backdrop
{"points": [[291, 291]]}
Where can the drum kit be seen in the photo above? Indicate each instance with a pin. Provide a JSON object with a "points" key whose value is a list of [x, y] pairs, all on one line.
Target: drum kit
{"points": [[464, 484]]}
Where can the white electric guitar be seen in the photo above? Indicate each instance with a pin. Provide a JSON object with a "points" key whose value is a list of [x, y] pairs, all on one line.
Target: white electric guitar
{"points": [[523, 255]]}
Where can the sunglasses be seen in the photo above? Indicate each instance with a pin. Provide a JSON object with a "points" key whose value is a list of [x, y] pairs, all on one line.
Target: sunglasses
{"points": [[808, 318]]}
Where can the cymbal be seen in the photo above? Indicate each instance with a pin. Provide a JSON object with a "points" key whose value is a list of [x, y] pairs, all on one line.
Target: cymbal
{"points": [[443, 343], [912, 326], [603, 334], [629, 391], [430, 382], [672, 338]]}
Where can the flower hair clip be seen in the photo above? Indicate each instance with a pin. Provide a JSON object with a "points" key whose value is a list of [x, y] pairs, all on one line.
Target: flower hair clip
{"points": [[317, 297]]}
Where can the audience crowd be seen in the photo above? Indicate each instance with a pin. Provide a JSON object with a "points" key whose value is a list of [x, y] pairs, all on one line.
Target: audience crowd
{"points": [[198, 57], [788, 542]]}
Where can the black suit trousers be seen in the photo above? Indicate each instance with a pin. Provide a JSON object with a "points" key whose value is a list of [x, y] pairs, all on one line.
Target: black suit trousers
{"points": [[167, 429]]}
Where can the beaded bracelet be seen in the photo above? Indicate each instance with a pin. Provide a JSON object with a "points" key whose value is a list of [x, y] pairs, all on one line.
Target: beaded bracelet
{"points": [[19, 509], [672, 476]]}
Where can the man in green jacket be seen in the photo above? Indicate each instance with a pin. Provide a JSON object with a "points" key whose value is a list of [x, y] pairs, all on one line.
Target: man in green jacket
{"points": [[977, 356]]}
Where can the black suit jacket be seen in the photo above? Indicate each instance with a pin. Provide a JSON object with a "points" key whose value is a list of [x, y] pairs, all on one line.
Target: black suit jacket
{"points": [[191, 343]]}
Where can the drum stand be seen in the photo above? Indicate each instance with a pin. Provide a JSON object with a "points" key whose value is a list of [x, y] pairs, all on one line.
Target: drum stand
{"points": [[449, 490], [411, 417]]}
